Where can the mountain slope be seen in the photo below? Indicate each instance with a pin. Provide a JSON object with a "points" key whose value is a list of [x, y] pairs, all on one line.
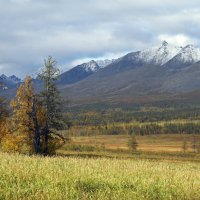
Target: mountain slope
{"points": [[82, 71], [186, 57], [104, 63], [186, 80], [159, 55], [78, 73], [140, 73]]}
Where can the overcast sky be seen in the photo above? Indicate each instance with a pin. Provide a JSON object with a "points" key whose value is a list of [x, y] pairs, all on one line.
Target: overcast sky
{"points": [[74, 31]]}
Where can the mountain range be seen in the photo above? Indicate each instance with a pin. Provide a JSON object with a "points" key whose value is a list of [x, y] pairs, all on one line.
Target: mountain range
{"points": [[7, 82], [160, 71]]}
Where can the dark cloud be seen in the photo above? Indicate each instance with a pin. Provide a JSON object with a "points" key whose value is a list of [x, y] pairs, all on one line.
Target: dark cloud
{"points": [[72, 31]]}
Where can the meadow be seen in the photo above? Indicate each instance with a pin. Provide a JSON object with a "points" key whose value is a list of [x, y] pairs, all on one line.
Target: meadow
{"points": [[24, 177], [152, 147], [96, 162], [153, 143]]}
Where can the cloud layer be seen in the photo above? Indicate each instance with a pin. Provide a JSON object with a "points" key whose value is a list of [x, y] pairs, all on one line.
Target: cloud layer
{"points": [[77, 30]]}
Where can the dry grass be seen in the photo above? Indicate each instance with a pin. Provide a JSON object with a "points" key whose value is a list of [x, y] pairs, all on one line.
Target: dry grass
{"points": [[27, 178], [155, 143]]}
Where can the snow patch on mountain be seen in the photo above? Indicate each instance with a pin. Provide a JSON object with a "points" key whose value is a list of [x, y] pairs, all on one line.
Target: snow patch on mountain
{"points": [[189, 54], [3, 77], [9, 79], [159, 55], [104, 63], [14, 79], [91, 66], [94, 66]]}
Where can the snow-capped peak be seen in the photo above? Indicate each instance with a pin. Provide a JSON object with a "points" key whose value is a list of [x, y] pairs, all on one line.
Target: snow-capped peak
{"points": [[164, 43], [14, 78], [3, 76], [94, 66], [91, 66], [189, 54], [159, 54], [104, 63]]}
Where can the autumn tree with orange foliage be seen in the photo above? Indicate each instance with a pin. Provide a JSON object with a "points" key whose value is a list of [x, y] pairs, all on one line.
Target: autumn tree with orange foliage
{"points": [[35, 120], [3, 110], [3, 117], [8, 141], [22, 108], [28, 118]]}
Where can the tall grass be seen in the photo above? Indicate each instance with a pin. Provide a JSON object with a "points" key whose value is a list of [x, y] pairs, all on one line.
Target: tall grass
{"points": [[23, 177]]}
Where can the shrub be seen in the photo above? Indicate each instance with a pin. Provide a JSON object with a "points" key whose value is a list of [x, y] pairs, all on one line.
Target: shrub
{"points": [[132, 143]]}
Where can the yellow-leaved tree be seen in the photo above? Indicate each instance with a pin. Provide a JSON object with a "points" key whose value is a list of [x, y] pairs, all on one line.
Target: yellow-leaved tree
{"points": [[3, 119], [22, 127], [8, 141], [26, 120]]}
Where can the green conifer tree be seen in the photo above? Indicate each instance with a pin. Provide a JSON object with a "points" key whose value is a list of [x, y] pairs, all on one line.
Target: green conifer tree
{"points": [[51, 102]]}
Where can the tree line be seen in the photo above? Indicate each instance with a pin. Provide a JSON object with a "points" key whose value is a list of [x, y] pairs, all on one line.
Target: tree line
{"points": [[105, 115], [32, 127]]}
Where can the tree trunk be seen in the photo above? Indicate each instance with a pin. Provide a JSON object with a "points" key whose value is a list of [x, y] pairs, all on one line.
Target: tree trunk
{"points": [[45, 141], [36, 129]]}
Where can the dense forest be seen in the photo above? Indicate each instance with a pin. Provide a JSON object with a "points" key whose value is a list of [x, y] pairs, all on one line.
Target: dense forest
{"points": [[141, 119]]}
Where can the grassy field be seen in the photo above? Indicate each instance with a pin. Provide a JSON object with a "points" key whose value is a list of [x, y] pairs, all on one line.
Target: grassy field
{"points": [[153, 143], [23, 177], [154, 147]]}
